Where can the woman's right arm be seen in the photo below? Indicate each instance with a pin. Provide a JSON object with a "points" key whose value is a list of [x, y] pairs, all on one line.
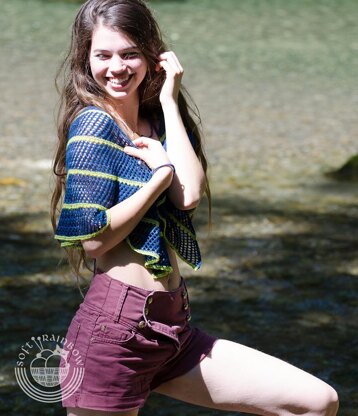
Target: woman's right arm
{"points": [[127, 214]]}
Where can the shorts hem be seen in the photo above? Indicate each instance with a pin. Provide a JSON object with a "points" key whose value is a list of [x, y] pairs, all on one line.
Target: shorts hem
{"points": [[108, 403], [183, 369]]}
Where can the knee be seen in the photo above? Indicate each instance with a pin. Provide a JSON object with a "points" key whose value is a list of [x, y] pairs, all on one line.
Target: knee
{"points": [[332, 402], [327, 402], [320, 401]]}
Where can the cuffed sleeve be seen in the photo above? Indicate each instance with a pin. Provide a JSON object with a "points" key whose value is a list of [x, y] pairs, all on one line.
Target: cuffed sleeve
{"points": [[92, 183]]}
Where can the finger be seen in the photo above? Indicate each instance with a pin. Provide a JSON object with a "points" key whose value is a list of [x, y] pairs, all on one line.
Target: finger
{"points": [[142, 141], [173, 59], [173, 63], [131, 151], [165, 65], [169, 70], [163, 55]]}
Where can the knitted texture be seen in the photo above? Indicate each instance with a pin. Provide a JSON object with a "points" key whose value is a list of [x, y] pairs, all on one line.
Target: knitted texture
{"points": [[99, 176]]}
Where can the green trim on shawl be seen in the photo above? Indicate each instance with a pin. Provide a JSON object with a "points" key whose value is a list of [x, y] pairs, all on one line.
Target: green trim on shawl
{"points": [[105, 176], [151, 264], [69, 239], [93, 139]]}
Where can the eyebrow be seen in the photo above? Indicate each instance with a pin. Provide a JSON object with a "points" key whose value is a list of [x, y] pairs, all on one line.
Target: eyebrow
{"points": [[130, 48]]}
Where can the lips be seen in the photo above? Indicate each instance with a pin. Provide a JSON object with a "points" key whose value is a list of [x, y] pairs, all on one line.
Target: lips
{"points": [[119, 82]]}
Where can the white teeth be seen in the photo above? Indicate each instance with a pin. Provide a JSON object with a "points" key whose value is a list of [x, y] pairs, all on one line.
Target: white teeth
{"points": [[118, 81]]}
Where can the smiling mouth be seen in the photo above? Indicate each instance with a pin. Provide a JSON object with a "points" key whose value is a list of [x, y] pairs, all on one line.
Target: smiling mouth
{"points": [[120, 82]]}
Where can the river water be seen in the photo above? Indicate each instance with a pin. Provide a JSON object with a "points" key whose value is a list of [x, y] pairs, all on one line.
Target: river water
{"points": [[276, 85]]}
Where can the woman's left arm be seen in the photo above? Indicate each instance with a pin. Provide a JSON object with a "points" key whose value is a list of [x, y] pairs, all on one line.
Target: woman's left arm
{"points": [[189, 182]]}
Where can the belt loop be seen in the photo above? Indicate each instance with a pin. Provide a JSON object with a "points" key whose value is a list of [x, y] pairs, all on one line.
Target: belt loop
{"points": [[146, 310], [120, 303]]}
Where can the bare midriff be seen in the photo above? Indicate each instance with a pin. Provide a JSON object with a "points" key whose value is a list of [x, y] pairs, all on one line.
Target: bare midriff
{"points": [[124, 264]]}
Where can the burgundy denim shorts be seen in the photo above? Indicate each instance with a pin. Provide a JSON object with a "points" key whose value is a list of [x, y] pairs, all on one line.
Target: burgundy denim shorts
{"points": [[125, 341]]}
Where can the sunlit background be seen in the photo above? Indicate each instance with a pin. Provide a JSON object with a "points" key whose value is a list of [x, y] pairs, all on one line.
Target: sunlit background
{"points": [[276, 85]]}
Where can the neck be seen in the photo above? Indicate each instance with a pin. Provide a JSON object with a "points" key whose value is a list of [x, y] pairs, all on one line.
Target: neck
{"points": [[128, 111]]}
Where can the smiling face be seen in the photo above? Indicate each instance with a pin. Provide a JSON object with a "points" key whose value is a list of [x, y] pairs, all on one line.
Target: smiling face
{"points": [[117, 64]]}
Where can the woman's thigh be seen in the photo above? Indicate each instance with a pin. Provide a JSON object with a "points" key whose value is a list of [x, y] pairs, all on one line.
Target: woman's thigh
{"points": [[239, 378], [75, 411]]}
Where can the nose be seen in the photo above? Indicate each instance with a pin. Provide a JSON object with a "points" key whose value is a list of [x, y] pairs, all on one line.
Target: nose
{"points": [[116, 64]]}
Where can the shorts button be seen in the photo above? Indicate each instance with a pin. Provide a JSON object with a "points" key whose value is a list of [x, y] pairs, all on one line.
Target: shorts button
{"points": [[141, 324], [150, 300], [186, 306], [146, 311]]}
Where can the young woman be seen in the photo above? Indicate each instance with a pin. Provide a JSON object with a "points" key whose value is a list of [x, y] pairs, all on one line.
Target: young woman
{"points": [[131, 169]]}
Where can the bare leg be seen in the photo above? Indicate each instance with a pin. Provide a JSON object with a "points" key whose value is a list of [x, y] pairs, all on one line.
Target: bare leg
{"points": [[75, 411], [237, 378]]}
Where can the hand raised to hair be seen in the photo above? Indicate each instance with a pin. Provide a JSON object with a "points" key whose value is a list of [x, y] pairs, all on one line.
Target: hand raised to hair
{"points": [[149, 150], [174, 73]]}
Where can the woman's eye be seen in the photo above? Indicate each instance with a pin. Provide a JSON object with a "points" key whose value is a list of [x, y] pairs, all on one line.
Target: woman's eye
{"points": [[101, 56], [130, 55]]}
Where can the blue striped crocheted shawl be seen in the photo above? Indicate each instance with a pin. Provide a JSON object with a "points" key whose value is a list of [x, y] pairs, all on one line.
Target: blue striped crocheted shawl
{"points": [[99, 176]]}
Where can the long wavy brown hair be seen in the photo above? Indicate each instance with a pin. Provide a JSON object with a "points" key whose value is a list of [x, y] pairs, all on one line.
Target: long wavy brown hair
{"points": [[78, 89]]}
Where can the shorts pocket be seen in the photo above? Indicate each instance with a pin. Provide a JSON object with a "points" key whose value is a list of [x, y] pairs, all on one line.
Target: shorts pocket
{"points": [[106, 331]]}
